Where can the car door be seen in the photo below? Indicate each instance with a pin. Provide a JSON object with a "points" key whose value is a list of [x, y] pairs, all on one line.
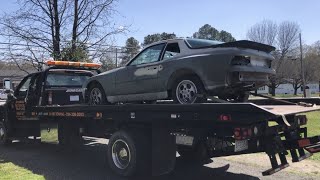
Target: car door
{"points": [[168, 64], [140, 75]]}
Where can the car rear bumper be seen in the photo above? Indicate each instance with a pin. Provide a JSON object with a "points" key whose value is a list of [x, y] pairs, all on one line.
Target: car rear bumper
{"points": [[241, 78]]}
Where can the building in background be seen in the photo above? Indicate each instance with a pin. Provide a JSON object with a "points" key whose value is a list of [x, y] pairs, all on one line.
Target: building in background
{"points": [[288, 89], [14, 75]]}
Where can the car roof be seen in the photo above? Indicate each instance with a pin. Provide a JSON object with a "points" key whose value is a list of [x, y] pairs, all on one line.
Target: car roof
{"points": [[165, 41]]}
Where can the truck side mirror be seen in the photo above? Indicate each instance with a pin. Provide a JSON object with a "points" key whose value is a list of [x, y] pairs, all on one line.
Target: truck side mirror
{"points": [[7, 86]]}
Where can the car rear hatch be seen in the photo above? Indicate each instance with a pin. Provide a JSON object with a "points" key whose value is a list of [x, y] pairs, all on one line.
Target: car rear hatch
{"points": [[64, 87]]}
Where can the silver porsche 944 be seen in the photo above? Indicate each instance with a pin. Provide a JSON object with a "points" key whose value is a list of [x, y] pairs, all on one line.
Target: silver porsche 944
{"points": [[186, 71]]}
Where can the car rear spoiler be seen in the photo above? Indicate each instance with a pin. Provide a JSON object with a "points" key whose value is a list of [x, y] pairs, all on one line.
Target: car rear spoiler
{"points": [[247, 44]]}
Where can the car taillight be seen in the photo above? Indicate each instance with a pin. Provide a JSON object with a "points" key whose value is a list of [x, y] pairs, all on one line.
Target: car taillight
{"points": [[240, 60], [242, 133]]}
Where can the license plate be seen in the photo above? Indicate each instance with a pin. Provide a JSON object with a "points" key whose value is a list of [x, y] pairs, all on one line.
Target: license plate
{"points": [[241, 145], [75, 98], [184, 140]]}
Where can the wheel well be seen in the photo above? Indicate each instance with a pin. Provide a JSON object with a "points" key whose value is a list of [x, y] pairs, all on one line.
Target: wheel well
{"points": [[89, 85], [178, 74]]}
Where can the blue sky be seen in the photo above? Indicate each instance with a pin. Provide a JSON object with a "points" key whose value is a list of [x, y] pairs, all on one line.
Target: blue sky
{"points": [[184, 17]]}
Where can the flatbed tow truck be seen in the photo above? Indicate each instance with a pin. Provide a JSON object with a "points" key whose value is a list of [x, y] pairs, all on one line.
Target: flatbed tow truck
{"points": [[144, 138]]}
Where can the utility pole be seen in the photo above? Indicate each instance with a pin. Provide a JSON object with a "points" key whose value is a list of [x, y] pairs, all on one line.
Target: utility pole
{"points": [[302, 69], [116, 57]]}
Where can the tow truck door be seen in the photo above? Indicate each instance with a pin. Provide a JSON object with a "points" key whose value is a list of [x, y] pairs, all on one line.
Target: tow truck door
{"points": [[22, 94]]}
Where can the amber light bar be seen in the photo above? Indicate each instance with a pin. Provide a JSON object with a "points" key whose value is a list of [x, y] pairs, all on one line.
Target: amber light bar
{"points": [[73, 64]]}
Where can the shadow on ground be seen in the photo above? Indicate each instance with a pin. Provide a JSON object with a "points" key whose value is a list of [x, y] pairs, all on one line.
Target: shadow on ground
{"points": [[89, 162]]}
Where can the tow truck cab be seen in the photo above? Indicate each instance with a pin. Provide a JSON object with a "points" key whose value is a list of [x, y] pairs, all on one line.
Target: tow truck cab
{"points": [[60, 84]]}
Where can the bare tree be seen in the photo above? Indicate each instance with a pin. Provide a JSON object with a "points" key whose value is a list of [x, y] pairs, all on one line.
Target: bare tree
{"points": [[284, 37], [52, 25], [263, 32]]}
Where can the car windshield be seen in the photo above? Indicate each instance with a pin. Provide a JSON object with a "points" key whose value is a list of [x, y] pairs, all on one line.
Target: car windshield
{"points": [[201, 43], [67, 79]]}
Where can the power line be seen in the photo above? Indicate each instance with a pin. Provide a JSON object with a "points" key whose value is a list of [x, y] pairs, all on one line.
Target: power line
{"points": [[64, 41]]}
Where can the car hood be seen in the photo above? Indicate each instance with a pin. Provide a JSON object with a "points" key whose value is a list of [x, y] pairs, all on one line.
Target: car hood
{"points": [[109, 72]]}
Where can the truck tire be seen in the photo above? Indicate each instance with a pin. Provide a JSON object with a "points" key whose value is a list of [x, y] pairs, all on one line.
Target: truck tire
{"points": [[129, 153], [188, 90], [4, 139]]}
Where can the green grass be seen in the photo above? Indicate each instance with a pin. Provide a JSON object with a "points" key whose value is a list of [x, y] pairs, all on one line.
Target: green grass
{"points": [[50, 136], [10, 171], [291, 95], [313, 127]]}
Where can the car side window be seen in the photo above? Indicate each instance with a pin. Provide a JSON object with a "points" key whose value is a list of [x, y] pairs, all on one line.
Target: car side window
{"points": [[149, 55], [22, 91], [171, 50]]}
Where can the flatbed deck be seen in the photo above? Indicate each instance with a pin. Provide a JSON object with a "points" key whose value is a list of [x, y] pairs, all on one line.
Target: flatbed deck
{"points": [[262, 101], [240, 112], [289, 109]]}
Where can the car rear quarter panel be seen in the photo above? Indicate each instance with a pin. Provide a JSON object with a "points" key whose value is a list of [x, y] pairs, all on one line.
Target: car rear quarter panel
{"points": [[211, 65], [211, 68]]}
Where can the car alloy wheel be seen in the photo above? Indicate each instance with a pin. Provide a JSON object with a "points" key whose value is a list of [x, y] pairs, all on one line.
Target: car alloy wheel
{"points": [[186, 92], [95, 96], [121, 154]]}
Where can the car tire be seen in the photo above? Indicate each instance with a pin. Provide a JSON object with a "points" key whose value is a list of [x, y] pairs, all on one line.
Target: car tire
{"points": [[129, 153], [96, 95], [4, 139], [188, 90]]}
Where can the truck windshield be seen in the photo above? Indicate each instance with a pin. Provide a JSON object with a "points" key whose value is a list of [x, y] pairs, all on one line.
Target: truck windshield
{"points": [[67, 79]]}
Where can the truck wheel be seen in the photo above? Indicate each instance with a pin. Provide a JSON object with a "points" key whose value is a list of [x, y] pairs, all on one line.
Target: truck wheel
{"points": [[96, 95], [128, 153], [3, 135], [188, 90]]}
